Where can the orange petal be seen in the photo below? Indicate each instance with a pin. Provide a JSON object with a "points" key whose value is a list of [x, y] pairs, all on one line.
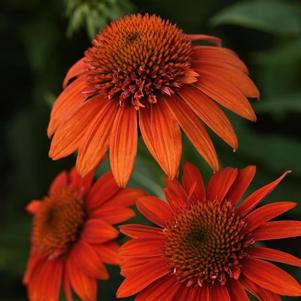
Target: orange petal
{"points": [[88, 261], [193, 182], [237, 291], [67, 137], [265, 213], [275, 255], [210, 114], [155, 210], [278, 230], [114, 215], [219, 55], [220, 293], [151, 271], [33, 206], [96, 139], [123, 144], [230, 74], [68, 102], [220, 183], [193, 129], [203, 37], [77, 69], [256, 197], [137, 231], [270, 277], [60, 181], [97, 231], [225, 94], [175, 195], [162, 136], [241, 184], [82, 184], [108, 252]]}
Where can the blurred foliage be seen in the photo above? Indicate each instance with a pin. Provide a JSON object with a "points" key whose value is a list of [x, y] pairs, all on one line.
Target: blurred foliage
{"points": [[94, 14], [35, 55]]}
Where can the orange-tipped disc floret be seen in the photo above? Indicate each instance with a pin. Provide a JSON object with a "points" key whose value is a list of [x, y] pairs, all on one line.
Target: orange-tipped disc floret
{"points": [[137, 57]]}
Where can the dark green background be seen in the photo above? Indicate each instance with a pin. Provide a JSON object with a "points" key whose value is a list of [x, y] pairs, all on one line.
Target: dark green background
{"points": [[35, 54]]}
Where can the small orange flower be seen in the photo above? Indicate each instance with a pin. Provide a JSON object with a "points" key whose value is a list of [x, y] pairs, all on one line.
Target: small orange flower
{"points": [[142, 67], [72, 235], [204, 247]]}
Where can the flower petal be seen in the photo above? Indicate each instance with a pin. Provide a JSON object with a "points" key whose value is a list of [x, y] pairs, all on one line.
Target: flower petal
{"points": [[275, 255], [77, 69], [204, 37], [241, 184], [265, 213], [193, 129], [193, 183], [114, 215], [220, 293], [175, 195], [255, 198], [123, 144], [108, 252], [220, 183], [137, 231], [60, 181], [277, 230], [237, 292], [162, 136], [155, 210], [270, 277], [33, 206], [210, 113], [95, 142]]}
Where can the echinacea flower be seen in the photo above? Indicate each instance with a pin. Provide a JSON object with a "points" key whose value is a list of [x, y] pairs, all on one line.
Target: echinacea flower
{"points": [[72, 235], [204, 244], [144, 73]]}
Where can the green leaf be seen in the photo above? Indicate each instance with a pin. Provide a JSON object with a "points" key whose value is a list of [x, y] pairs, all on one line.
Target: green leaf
{"points": [[275, 17]]}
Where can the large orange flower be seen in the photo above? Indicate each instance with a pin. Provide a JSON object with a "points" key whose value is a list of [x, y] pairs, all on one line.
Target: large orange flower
{"points": [[142, 67], [204, 247], [72, 235]]}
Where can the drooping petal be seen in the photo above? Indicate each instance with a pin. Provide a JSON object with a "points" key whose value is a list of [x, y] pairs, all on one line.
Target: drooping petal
{"points": [[193, 129], [123, 144], [95, 142], [204, 37], [270, 277], [241, 184], [219, 56], [257, 196], [136, 231], [210, 113], [108, 252], [193, 183], [265, 213], [155, 210], [66, 139], [226, 95], [96, 231], [77, 69], [102, 191], [275, 255], [68, 102], [277, 230], [162, 136], [220, 183]]}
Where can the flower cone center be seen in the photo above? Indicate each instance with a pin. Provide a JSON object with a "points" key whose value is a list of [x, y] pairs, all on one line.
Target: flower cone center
{"points": [[137, 58], [205, 244], [58, 222]]}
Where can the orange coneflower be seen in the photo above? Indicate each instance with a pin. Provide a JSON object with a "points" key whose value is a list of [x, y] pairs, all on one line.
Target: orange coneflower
{"points": [[73, 236], [205, 245], [145, 66]]}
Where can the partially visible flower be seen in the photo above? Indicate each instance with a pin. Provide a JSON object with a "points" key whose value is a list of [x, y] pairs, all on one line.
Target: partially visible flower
{"points": [[144, 72], [72, 235], [204, 244]]}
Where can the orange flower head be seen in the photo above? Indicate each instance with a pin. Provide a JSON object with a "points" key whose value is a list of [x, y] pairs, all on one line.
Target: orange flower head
{"points": [[72, 235], [144, 75], [204, 244]]}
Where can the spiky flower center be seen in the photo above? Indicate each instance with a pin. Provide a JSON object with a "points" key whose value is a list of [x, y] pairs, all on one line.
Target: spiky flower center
{"points": [[137, 58], [205, 244], [58, 222]]}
